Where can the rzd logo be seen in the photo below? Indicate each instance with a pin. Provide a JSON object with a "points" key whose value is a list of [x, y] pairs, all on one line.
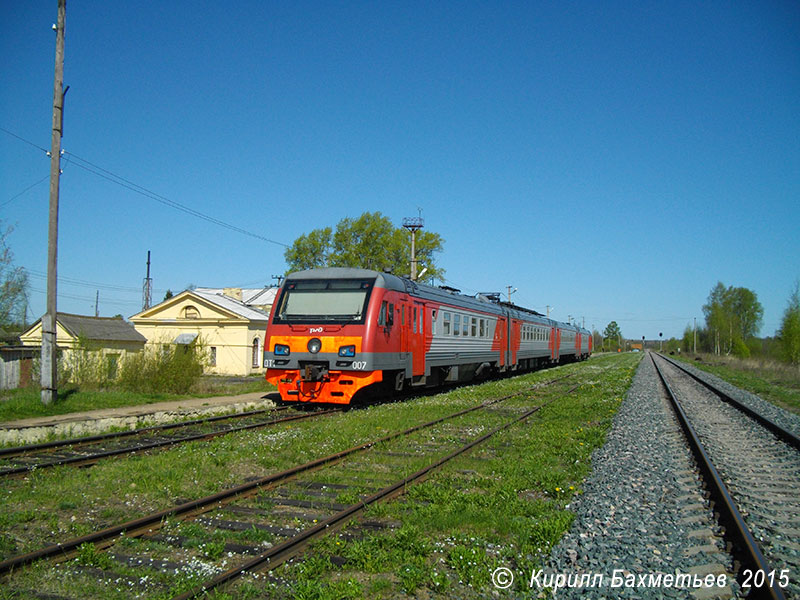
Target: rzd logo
{"points": [[315, 330]]}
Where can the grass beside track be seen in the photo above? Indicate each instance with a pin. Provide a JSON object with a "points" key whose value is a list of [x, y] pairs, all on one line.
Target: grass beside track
{"points": [[26, 403], [774, 382], [505, 503]]}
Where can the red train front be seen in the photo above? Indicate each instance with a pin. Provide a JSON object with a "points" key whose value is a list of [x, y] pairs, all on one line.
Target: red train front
{"points": [[318, 346]]}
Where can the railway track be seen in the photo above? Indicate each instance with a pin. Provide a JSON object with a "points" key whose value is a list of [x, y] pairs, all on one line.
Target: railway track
{"points": [[186, 551], [751, 470], [84, 451]]}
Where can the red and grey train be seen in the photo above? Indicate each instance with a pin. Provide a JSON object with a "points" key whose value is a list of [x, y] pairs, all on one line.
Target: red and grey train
{"points": [[334, 332]]}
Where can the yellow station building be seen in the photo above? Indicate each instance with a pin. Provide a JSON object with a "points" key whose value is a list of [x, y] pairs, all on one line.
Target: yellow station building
{"points": [[230, 323]]}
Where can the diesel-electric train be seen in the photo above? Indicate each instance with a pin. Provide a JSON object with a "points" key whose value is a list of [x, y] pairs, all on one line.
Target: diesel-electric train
{"points": [[335, 332]]}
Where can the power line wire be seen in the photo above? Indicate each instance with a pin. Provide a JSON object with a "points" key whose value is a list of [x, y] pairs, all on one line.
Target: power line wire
{"points": [[22, 139], [135, 187], [30, 187], [91, 284], [86, 298]]}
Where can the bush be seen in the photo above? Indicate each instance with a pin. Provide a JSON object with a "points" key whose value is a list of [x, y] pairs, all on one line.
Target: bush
{"points": [[163, 368], [86, 366], [740, 349]]}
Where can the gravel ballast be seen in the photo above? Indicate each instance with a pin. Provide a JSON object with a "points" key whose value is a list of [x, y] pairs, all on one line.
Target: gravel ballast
{"points": [[641, 522]]}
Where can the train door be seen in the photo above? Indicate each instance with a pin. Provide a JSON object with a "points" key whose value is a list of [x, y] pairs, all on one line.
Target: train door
{"points": [[418, 338], [499, 343], [553, 343], [405, 326], [514, 339]]}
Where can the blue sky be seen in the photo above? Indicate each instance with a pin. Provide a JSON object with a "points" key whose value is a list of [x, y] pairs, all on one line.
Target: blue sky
{"points": [[612, 160]]}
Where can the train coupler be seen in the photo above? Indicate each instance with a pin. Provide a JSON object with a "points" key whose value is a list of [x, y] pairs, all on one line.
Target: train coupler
{"points": [[315, 373]]}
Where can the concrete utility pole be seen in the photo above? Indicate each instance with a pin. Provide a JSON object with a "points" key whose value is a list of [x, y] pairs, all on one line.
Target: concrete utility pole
{"points": [[49, 369], [413, 224]]}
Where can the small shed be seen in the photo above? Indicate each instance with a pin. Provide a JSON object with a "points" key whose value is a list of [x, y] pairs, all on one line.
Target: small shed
{"points": [[16, 366], [113, 336]]}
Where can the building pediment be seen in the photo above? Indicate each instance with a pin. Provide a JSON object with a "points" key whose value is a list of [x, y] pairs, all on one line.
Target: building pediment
{"points": [[199, 306]]}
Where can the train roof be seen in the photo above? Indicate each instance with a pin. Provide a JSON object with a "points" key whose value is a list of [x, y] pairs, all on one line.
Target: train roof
{"points": [[490, 303]]}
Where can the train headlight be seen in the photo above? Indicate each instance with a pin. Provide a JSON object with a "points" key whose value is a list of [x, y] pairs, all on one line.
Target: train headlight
{"points": [[349, 351], [314, 345], [281, 350]]}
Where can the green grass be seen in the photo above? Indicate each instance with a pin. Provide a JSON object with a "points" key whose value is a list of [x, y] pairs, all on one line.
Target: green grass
{"points": [[774, 382], [26, 403], [503, 504]]}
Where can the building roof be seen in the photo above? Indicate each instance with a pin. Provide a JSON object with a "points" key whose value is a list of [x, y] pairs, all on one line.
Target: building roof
{"points": [[99, 328], [240, 308], [259, 296]]}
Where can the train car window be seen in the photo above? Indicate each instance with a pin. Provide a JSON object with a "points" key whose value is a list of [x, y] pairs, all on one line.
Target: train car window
{"points": [[474, 331], [433, 322], [456, 324], [466, 325], [446, 323], [482, 328], [415, 320], [403, 315]]}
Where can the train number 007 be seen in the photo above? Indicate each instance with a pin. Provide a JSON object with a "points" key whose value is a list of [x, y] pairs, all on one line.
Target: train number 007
{"points": [[360, 364]]}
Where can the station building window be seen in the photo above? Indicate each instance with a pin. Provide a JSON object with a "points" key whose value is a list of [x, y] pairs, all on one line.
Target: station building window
{"points": [[256, 352]]}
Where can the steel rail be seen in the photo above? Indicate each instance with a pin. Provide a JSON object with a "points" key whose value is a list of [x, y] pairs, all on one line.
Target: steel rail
{"points": [[105, 537], [745, 549], [783, 434], [92, 458], [293, 546], [12, 451]]}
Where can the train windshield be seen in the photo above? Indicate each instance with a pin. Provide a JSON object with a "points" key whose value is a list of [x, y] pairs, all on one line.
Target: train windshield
{"points": [[324, 301]]}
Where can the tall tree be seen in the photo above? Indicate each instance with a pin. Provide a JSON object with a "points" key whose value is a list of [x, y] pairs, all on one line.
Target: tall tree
{"points": [[612, 335], [612, 330], [688, 339], [13, 286], [368, 242], [733, 315], [310, 250], [789, 333]]}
